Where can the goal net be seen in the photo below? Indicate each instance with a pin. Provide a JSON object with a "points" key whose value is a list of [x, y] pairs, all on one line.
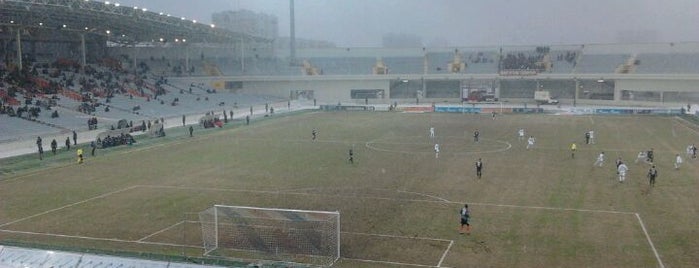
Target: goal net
{"points": [[287, 235]]}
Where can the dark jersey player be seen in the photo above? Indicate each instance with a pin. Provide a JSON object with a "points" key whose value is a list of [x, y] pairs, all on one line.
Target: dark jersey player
{"points": [[465, 216], [479, 168]]}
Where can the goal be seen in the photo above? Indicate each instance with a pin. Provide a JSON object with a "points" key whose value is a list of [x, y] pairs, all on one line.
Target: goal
{"points": [[288, 235]]}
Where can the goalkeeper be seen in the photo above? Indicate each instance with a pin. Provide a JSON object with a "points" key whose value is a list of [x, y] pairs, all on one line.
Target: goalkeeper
{"points": [[465, 216]]}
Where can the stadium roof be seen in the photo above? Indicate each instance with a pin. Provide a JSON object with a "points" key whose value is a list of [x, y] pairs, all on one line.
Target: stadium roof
{"points": [[118, 23]]}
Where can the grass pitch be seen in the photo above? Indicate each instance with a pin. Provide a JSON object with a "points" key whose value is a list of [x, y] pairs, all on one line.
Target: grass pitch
{"points": [[399, 202]]}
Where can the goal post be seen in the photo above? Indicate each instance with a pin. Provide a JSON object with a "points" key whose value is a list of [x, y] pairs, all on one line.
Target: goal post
{"points": [[288, 235]]}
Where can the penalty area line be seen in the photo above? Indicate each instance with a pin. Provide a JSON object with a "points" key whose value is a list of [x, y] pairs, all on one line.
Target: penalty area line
{"points": [[393, 263], [650, 242], [99, 239], [399, 236], [160, 231], [67, 206], [441, 260], [425, 195], [438, 200]]}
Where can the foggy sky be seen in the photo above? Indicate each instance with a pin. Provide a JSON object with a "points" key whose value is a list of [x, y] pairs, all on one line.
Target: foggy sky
{"points": [[361, 23]]}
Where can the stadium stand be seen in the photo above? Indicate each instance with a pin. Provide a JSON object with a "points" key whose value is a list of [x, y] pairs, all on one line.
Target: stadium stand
{"points": [[600, 63], [668, 63]]}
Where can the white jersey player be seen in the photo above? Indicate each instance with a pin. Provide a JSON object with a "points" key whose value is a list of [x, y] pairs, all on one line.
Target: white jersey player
{"points": [[641, 156], [690, 150], [678, 161], [530, 142], [520, 134], [600, 160], [431, 132], [436, 150], [592, 137], [622, 169]]}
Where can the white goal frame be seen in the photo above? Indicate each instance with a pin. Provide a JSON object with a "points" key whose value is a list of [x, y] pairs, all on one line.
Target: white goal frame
{"points": [[331, 217]]}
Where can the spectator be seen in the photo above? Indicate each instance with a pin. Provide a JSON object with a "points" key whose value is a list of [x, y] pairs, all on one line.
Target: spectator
{"points": [[68, 144]]}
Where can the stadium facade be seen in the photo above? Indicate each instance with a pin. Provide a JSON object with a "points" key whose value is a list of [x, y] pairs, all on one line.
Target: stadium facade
{"points": [[244, 61]]}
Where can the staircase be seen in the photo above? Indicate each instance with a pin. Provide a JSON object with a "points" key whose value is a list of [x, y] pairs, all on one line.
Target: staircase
{"points": [[211, 69], [628, 67]]}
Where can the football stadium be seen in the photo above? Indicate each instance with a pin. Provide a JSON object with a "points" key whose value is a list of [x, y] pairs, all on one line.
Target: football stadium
{"points": [[131, 137]]}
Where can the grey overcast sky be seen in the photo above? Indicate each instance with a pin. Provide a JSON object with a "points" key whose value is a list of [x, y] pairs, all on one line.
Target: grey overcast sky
{"points": [[361, 23]]}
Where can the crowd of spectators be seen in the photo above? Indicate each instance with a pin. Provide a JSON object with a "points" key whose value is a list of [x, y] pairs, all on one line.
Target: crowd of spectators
{"points": [[569, 57], [521, 61], [479, 57], [92, 123], [109, 141]]}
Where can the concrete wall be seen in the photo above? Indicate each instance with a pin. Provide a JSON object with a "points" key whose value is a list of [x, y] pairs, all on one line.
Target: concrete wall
{"points": [[326, 91], [329, 89], [657, 85]]}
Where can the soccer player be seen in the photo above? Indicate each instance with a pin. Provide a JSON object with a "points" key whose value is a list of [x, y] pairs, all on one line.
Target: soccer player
{"points": [[649, 156], [587, 137], [690, 149], [618, 161], [652, 174], [314, 134], [494, 114], [465, 215], [479, 168], [436, 150], [432, 132], [191, 131], [641, 156], [600, 160], [694, 151], [573, 147], [80, 155], [351, 156], [678, 161], [530, 142], [592, 136], [621, 170], [521, 134], [476, 134]]}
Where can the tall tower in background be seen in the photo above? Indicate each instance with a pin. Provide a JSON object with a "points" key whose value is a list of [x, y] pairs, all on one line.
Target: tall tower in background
{"points": [[292, 34], [258, 31]]}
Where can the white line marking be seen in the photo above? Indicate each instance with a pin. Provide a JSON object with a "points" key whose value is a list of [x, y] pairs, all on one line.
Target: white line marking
{"points": [[684, 124], [549, 208], [391, 263], [426, 195], [162, 230], [657, 256], [99, 239], [69, 205], [673, 131], [371, 145], [210, 189], [445, 254], [398, 236], [390, 199]]}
